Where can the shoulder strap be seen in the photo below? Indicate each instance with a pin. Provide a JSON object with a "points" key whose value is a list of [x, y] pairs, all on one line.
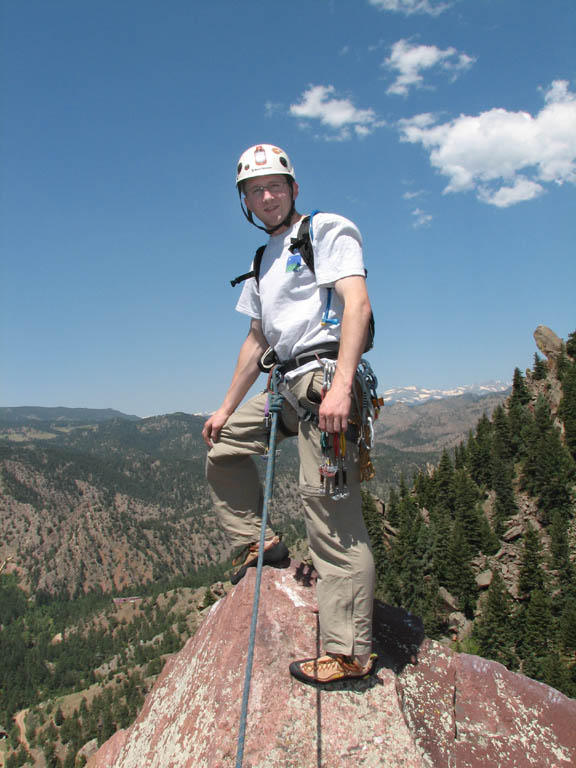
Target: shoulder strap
{"points": [[254, 272], [303, 241]]}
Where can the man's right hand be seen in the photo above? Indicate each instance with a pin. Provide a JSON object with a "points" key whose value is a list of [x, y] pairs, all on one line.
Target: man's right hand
{"points": [[213, 426]]}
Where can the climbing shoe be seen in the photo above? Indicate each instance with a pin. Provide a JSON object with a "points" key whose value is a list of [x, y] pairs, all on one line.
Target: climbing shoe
{"points": [[331, 668], [275, 552]]}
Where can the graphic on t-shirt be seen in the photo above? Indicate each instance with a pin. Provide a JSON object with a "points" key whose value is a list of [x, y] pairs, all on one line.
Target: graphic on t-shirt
{"points": [[294, 262]]}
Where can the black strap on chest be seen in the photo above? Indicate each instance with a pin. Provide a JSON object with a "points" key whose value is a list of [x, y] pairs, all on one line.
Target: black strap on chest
{"points": [[301, 242]]}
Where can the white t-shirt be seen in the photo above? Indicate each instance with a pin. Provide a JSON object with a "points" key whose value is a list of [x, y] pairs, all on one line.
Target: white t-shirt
{"points": [[291, 301]]}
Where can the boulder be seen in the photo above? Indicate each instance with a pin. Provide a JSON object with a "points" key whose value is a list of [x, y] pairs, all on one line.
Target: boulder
{"points": [[548, 343], [484, 579], [425, 706]]}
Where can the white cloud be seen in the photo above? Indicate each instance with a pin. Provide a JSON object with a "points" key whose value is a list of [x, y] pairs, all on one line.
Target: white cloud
{"points": [[421, 218], [409, 7], [521, 190], [340, 115], [413, 195], [410, 60], [505, 157]]}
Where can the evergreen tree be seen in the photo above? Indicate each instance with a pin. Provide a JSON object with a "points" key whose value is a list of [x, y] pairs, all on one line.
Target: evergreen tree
{"points": [[567, 627], [548, 468], [502, 447], [460, 456], [433, 617], [567, 409], [469, 514], [539, 369], [538, 633], [571, 345], [520, 392], [413, 567], [440, 532], [560, 549], [493, 629], [443, 483], [460, 576], [374, 525], [505, 503], [393, 508], [531, 576], [479, 451]]}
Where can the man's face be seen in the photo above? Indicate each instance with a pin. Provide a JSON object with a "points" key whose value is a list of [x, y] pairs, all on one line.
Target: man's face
{"points": [[269, 198]]}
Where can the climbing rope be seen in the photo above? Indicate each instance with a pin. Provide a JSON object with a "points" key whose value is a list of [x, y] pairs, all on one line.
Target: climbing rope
{"points": [[274, 407]]}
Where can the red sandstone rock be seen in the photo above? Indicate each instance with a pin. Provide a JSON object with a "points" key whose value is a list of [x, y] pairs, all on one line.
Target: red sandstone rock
{"points": [[448, 710]]}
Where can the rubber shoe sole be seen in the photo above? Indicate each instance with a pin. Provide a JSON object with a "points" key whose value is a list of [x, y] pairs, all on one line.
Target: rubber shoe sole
{"points": [[273, 556]]}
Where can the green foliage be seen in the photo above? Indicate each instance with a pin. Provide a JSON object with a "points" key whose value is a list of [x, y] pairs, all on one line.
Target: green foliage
{"points": [[444, 534], [539, 368], [571, 345], [374, 525], [567, 408], [520, 392], [493, 630], [548, 468]]}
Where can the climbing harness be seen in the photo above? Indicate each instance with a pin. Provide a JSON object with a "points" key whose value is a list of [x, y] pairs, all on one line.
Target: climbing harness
{"points": [[276, 401]]}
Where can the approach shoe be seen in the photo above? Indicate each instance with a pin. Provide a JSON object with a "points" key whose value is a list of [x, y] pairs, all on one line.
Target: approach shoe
{"points": [[275, 552], [331, 668]]}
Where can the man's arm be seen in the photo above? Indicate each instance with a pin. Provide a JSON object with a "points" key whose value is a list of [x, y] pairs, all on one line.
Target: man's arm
{"points": [[335, 408], [245, 374]]}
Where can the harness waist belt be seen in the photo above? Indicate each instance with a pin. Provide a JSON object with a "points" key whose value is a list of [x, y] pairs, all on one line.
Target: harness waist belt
{"points": [[329, 350]]}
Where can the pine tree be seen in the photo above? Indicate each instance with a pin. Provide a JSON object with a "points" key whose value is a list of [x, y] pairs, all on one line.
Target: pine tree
{"points": [[571, 345], [520, 392], [413, 567], [531, 576], [537, 634], [469, 514], [502, 446], [567, 409], [567, 627], [505, 503], [443, 483], [539, 369], [548, 467], [374, 525], [493, 629], [479, 453], [440, 532], [393, 508], [460, 576]]}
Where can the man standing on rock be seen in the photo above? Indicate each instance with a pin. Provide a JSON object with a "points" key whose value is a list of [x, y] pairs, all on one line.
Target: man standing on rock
{"points": [[317, 320]]}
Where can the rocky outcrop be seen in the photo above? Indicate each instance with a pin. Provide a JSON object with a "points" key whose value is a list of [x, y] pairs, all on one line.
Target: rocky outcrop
{"points": [[549, 344], [425, 707]]}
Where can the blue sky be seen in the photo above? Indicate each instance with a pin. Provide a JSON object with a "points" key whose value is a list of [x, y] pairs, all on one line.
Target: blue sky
{"points": [[445, 130]]}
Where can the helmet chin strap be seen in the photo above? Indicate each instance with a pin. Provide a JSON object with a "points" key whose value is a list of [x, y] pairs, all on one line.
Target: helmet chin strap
{"points": [[271, 230]]}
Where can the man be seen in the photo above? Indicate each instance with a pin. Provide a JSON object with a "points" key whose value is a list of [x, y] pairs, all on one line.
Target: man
{"points": [[309, 317]]}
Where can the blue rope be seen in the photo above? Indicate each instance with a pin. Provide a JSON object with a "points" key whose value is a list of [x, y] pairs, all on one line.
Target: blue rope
{"points": [[275, 407]]}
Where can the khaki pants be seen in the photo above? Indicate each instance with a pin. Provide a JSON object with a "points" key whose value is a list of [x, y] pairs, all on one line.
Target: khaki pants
{"points": [[338, 540]]}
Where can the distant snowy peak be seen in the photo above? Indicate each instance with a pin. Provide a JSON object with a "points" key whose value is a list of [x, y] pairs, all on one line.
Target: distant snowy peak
{"points": [[415, 395]]}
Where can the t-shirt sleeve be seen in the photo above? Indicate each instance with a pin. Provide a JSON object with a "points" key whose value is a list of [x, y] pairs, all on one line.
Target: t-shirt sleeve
{"points": [[249, 301], [337, 249]]}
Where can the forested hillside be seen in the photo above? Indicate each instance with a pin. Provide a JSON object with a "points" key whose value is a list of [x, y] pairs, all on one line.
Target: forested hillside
{"points": [[484, 546], [115, 503]]}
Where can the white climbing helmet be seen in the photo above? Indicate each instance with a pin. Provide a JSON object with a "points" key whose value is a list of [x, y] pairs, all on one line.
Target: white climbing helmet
{"points": [[262, 160]]}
